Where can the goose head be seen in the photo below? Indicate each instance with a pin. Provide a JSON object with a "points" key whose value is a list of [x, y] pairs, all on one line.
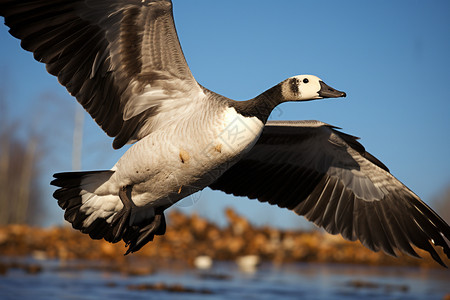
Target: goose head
{"points": [[307, 87]]}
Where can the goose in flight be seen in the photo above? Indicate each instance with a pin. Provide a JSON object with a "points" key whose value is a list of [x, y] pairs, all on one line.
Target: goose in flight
{"points": [[122, 61]]}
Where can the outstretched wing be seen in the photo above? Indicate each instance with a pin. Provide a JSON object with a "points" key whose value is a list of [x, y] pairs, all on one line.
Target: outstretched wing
{"points": [[121, 59], [327, 176]]}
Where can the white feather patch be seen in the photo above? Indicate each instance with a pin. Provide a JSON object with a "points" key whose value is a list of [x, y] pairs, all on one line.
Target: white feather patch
{"points": [[152, 97], [240, 133]]}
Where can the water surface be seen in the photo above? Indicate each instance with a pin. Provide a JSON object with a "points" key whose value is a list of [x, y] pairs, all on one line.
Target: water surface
{"points": [[226, 281]]}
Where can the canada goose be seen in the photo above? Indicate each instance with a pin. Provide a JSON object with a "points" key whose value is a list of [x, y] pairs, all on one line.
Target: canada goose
{"points": [[123, 62]]}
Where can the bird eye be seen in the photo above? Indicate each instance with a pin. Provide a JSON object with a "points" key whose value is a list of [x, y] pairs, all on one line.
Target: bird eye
{"points": [[305, 80]]}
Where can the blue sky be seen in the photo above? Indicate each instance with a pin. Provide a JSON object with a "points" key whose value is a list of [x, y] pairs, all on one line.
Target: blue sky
{"points": [[391, 57]]}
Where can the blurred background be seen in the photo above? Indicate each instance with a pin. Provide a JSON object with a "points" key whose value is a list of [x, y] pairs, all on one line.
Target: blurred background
{"points": [[392, 59]]}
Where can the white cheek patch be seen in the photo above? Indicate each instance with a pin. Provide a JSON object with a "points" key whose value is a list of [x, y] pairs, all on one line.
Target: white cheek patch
{"points": [[295, 88], [310, 89]]}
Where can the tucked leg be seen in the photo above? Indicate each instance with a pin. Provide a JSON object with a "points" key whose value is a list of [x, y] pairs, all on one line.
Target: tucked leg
{"points": [[135, 235], [124, 217], [140, 236]]}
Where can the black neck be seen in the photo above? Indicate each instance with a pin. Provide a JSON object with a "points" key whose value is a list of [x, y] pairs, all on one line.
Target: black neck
{"points": [[261, 106]]}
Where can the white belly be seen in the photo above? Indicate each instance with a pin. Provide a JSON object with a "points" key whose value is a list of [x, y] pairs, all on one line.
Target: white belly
{"points": [[169, 165]]}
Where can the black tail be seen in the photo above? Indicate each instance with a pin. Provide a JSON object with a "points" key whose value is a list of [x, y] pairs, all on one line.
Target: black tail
{"points": [[83, 208], [96, 214]]}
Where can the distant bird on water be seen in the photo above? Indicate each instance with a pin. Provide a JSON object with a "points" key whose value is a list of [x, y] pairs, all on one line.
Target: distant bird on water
{"points": [[122, 61]]}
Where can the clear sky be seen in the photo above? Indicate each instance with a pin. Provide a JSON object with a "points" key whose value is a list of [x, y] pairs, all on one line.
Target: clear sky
{"points": [[391, 57]]}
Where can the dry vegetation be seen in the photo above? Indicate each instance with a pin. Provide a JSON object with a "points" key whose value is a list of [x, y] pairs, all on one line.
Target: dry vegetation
{"points": [[190, 236]]}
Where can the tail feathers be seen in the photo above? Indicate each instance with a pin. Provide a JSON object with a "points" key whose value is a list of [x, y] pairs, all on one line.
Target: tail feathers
{"points": [[101, 216], [85, 210]]}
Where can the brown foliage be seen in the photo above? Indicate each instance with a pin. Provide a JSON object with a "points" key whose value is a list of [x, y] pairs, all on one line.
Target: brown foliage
{"points": [[188, 237]]}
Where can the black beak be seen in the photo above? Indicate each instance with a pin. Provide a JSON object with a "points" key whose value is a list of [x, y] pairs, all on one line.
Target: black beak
{"points": [[328, 92]]}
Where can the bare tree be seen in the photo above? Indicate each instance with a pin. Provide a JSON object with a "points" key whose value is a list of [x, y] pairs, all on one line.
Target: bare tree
{"points": [[21, 197], [31, 144]]}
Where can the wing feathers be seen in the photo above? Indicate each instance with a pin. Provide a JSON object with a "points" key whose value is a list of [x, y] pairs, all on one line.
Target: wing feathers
{"points": [[328, 177], [108, 54]]}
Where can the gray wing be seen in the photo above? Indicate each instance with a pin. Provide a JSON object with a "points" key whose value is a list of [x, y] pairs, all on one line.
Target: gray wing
{"points": [[327, 176], [121, 59]]}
